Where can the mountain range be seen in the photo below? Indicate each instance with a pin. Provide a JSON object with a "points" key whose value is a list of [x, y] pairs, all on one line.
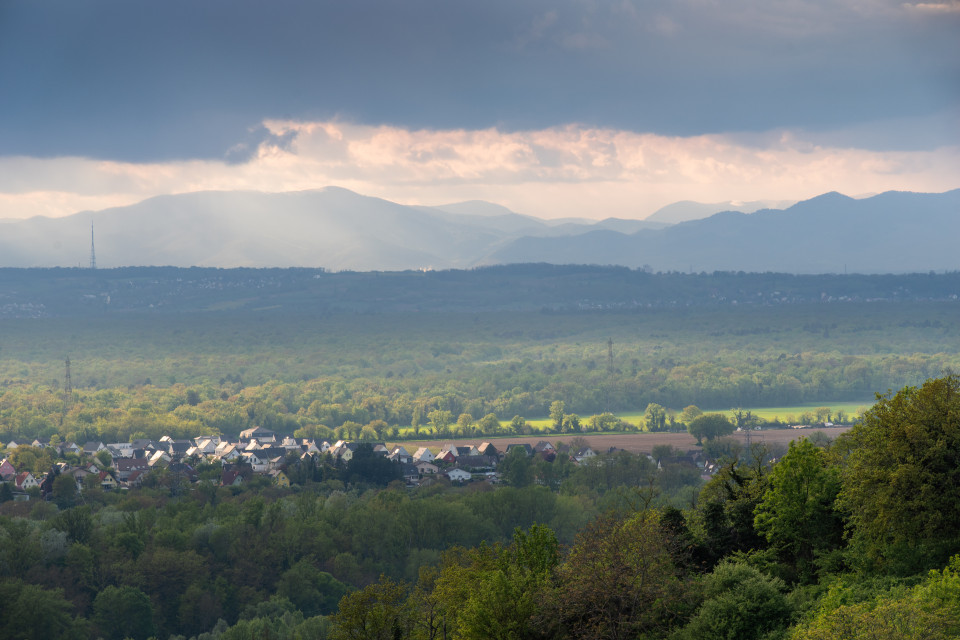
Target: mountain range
{"points": [[893, 232]]}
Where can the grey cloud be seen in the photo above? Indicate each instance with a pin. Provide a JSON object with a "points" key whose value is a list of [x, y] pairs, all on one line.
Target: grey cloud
{"points": [[179, 79]]}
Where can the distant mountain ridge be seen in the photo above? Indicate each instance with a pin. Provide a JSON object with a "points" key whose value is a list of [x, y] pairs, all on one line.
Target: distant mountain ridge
{"points": [[338, 229], [687, 210], [893, 232]]}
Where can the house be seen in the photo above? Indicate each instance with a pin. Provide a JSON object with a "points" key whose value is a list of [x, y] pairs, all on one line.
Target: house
{"points": [[227, 452], [251, 458], [126, 466], [487, 449], [446, 457], [279, 478], [411, 475], [468, 450], [159, 457], [344, 451], [584, 454], [259, 434], [231, 478], [121, 449], [135, 479], [91, 448], [458, 475], [423, 455], [399, 454], [207, 446], [477, 463], [523, 445], [25, 481], [178, 448], [13, 444], [427, 468], [7, 470], [542, 446], [69, 447], [107, 482]]}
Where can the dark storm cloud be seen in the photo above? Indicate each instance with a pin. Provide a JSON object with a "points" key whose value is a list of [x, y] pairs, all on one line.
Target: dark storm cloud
{"points": [[187, 78]]}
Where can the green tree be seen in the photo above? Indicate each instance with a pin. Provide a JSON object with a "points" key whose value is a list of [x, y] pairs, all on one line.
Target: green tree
{"points": [[123, 612], [797, 513], [29, 612], [619, 580], [901, 477], [380, 611], [689, 413], [655, 417], [440, 420], [312, 591], [556, 415], [516, 469], [709, 426], [739, 602]]}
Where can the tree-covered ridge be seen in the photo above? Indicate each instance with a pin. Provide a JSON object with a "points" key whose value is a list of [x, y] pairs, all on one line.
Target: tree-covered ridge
{"points": [[64, 292]]}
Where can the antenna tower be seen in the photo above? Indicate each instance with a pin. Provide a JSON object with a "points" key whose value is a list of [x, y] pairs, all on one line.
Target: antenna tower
{"points": [[610, 355], [93, 253]]}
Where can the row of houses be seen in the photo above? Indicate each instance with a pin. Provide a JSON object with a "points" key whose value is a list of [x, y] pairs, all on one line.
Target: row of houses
{"points": [[261, 451]]}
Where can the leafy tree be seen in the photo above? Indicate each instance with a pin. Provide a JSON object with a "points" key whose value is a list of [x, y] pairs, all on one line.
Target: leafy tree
{"points": [[123, 612], [29, 612], [556, 415], [620, 581], [710, 426], [489, 424], [380, 611], [689, 413], [655, 417], [571, 423], [739, 602], [797, 514], [312, 591], [901, 476], [516, 468], [440, 420]]}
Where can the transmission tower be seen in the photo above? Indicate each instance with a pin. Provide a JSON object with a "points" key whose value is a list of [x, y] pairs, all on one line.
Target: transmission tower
{"points": [[93, 253], [67, 383]]}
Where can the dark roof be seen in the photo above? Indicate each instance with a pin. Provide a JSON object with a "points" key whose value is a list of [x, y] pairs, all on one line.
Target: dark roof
{"points": [[256, 432], [477, 462]]}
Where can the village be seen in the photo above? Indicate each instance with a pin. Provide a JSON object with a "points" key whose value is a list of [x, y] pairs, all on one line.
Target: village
{"points": [[261, 452]]}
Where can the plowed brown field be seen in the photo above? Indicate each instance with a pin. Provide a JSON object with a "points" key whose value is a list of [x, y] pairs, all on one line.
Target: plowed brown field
{"points": [[635, 442]]}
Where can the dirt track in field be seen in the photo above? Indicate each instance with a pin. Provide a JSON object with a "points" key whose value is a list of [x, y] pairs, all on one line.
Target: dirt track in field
{"points": [[635, 442]]}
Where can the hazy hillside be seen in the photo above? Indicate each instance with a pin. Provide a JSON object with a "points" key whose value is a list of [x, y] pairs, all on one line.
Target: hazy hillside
{"points": [[687, 210], [337, 229], [891, 232]]}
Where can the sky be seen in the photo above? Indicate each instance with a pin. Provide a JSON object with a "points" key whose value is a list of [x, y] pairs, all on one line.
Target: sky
{"points": [[571, 108]]}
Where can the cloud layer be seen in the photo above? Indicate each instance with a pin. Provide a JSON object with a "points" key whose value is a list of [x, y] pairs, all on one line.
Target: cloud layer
{"points": [[554, 172], [178, 79]]}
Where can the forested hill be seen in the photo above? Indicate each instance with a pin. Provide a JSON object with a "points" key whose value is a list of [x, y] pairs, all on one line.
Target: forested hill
{"points": [[61, 292]]}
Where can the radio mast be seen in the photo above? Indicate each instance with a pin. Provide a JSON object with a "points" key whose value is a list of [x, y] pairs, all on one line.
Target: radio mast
{"points": [[93, 253]]}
